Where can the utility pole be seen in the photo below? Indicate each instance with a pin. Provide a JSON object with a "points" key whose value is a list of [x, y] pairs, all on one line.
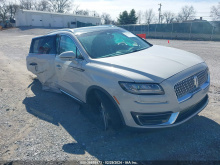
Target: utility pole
{"points": [[159, 12]]}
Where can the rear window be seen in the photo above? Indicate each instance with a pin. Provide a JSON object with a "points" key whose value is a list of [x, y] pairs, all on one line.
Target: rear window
{"points": [[44, 45]]}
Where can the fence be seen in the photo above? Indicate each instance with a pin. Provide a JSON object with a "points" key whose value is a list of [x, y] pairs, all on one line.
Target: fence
{"points": [[202, 30]]}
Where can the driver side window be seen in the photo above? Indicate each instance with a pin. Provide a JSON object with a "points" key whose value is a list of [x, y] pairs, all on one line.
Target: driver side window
{"points": [[67, 44]]}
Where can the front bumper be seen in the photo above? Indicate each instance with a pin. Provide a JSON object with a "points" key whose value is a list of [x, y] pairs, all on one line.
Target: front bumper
{"points": [[169, 119]]}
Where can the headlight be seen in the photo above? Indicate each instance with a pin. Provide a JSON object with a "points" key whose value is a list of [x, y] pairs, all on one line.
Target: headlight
{"points": [[142, 88]]}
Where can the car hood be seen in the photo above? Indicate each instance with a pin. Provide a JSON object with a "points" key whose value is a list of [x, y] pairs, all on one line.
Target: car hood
{"points": [[154, 64]]}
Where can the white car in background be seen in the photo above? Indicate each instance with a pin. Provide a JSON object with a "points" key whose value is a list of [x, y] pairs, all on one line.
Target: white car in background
{"points": [[128, 80]]}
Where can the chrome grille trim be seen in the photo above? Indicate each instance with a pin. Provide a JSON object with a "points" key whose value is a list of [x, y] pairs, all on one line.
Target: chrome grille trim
{"points": [[186, 88]]}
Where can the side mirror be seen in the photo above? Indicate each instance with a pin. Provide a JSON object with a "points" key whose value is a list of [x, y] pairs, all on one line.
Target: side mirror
{"points": [[67, 56]]}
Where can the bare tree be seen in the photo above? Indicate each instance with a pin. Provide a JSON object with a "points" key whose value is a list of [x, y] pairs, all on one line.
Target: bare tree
{"points": [[149, 16], [76, 8], [139, 14], [60, 6], [3, 10], [186, 13], [215, 12], [43, 5], [78, 11], [7, 10], [82, 12], [168, 16], [106, 18], [13, 8], [27, 4]]}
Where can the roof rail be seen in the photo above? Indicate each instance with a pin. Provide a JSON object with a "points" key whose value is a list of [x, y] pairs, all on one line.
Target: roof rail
{"points": [[109, 25], [60, 30]]}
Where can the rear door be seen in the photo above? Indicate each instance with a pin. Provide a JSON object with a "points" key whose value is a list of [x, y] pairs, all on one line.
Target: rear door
{"points": [[40, 60]]}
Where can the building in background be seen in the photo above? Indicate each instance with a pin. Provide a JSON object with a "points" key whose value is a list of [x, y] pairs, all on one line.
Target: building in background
{"points": [[56, 20]]}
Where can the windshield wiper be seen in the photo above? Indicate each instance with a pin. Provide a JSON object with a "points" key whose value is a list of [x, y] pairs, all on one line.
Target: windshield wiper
{"points": [[137, 50], [111, 55], [120, 53]]}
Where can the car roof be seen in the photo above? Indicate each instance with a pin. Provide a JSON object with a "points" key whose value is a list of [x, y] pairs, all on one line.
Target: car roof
{"points": [[94, 28], [80, 30], [85, 29]]}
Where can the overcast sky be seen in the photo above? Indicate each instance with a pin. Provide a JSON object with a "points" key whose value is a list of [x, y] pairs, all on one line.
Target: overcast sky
{"points": [[114, 7]]}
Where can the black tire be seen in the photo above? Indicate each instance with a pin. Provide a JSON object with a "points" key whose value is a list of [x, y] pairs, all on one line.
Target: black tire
{"points": [[109, 112]]}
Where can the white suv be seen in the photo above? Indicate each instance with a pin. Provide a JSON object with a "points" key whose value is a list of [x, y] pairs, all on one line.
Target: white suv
{"points": [[128, 80]]}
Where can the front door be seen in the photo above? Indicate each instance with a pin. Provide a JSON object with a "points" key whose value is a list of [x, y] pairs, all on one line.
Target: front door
{"points": [[69, 72]]}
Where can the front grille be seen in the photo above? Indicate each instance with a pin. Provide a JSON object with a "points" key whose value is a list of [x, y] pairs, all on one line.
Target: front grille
{"points": [[187, 85], [191, 110]]}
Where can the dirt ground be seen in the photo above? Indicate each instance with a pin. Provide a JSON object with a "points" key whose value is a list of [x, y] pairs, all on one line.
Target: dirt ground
{"points": [[39, 125]]}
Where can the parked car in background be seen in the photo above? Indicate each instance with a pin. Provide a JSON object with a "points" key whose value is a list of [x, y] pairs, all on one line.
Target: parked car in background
{"points": [[128, 80]]}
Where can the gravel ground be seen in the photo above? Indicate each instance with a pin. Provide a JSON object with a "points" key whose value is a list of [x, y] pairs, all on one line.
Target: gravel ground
{"points": [[38, 125]]}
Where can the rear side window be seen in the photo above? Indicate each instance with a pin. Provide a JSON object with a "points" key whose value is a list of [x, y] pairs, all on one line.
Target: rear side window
{"points": [[44, 45]]}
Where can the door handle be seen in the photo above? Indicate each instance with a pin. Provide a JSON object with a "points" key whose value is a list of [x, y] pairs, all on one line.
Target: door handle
{"points": [[78, 69], [33, 64]]}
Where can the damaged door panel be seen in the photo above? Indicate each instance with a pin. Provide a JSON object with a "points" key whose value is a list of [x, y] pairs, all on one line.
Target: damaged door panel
{"points": [[40, 60]]}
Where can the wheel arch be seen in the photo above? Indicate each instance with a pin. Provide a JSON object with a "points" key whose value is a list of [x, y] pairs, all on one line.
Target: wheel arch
{"points": [[90, 91]]}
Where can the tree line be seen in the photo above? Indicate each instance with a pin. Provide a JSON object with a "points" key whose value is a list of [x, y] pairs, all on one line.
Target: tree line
{"points": [[149, 16]]}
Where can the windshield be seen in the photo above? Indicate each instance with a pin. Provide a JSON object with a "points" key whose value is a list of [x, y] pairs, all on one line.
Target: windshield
{"points": [[109, 43]]}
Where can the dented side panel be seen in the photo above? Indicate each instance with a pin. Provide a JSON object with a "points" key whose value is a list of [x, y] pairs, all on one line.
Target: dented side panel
{"points": [[40, 60], [43, 67]]}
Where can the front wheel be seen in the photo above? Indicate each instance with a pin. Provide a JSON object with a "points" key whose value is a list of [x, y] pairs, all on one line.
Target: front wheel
{"points": [[104, 117], [108, 112]]}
